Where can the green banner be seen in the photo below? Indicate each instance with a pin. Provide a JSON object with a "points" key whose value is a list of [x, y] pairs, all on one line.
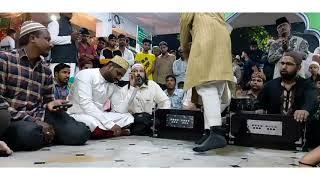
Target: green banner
{"points": [[4, 22], [142, 34]]}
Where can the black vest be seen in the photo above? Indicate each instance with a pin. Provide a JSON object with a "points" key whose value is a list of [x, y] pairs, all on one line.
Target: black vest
{"points": [[67, 53]]}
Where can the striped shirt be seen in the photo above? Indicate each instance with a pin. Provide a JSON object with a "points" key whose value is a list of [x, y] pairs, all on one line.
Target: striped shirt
{"points": [[25, 88]]}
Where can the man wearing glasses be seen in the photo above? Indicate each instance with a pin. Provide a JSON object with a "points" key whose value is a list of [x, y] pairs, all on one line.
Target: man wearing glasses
{"points": [[289, 94]]}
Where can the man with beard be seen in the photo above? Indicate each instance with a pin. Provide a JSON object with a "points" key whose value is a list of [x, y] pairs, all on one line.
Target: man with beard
{"points": [[127, 55], [145, 95], [95, 101], [61, 79], [286, 42], [289, 94], [256, 84], [163, 65], [180, 67], [26, 86]]}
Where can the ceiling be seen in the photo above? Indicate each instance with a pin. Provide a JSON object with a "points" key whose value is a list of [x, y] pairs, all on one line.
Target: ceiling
{"points": [[159, 23], [255, 19], [168, 23]]}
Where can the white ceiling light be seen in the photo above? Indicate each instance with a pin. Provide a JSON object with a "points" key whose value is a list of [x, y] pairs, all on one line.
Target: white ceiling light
{"points": [[53, 17]]}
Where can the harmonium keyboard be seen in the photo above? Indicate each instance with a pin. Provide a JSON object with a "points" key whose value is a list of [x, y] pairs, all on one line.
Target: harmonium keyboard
{"points": [[266, 130], [179, 124]]}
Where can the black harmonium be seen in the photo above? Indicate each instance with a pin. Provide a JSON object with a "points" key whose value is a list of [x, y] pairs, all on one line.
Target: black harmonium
{"points": [[179, 124], [266, 130]]}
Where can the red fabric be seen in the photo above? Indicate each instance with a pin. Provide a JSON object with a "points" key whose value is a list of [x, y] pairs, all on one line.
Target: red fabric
{"points": [[101, 134]]}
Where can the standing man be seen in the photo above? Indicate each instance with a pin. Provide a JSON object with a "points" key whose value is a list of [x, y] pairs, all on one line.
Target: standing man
{"points": [[64, 38], [86, 50], [61, 79], [286, 42], [8, 43], [209, 69], [146, 58], [163, 65], [180, 67], [127, 55], [28, 94], [110, 51]]}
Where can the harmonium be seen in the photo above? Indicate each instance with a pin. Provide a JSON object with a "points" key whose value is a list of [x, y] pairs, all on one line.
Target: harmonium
{"points": [[265, 130], [178, 124]]}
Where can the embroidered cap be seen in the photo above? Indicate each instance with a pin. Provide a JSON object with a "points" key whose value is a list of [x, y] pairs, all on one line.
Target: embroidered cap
{"points": [[137, 65], [121, 62]]}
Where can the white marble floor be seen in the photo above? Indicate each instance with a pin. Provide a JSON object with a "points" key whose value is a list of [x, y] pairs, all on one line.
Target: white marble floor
{"points": [[136, 151]]}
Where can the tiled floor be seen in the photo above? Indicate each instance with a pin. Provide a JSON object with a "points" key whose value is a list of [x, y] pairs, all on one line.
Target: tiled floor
{"points": [[135, 151]]}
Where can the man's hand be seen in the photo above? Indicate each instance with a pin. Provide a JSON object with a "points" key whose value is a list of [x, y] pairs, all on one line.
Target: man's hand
{"points": [[301, 115], [134, 81], [47, 130], [116, 130], [75, 36], [57, 102]]}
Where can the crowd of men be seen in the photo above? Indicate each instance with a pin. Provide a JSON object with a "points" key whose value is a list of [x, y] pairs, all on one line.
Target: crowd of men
{"points": [[103, 91]]}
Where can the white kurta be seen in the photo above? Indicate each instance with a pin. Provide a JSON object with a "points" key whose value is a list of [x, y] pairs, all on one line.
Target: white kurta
{"points": [[88, 95], [146, 98]]}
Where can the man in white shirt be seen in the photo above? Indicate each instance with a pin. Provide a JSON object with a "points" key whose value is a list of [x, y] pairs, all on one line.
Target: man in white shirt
{"points": [[95, 101], [65, 39], [8, 43], [146, 95], [127, 55]]}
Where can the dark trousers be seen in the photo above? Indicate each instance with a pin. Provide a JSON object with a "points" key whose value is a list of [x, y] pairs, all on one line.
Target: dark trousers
{"points": [[142, 124], [5, 119], [27, 135]]}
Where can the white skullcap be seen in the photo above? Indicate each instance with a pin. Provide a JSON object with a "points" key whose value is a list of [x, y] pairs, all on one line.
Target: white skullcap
{"points": [[137, 65], [315, 63], [29, 27]]}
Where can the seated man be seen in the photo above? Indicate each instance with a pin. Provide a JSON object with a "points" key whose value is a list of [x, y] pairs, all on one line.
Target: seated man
{"points": [[289, 94], [26, 85], [5, 119], [93, 96], [61, 79], [146, 96], [256, 84], [175, 95]]}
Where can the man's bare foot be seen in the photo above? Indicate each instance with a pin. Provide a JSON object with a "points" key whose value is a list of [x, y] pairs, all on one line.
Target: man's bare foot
{"points": [[4, 149], [125, 132]]}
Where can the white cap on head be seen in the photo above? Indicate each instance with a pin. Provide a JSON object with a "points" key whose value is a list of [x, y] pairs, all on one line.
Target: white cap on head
{"points": [[137, 65], [315, 63], [29, 27]]}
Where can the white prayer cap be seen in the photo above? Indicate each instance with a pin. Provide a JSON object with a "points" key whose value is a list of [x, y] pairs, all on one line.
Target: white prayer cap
{"points": [[29, 27], [137, 65], [315, 63]]}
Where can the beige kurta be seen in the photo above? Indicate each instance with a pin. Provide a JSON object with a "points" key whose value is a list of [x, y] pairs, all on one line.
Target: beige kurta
{"points": [[210, 56]]}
